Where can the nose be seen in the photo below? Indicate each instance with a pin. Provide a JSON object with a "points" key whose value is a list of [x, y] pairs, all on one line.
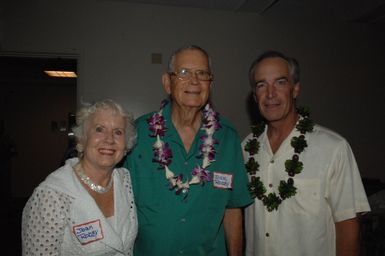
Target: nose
{"points": [[270, 90], [194, 78], [109, 137]]}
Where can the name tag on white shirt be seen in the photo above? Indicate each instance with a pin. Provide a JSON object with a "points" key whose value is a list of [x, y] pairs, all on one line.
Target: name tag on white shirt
{"points": [[88, 232], [223, 180]]}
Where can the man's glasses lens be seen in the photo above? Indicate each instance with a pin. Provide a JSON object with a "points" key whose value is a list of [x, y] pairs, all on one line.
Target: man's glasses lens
{"points": [[185, 74]]}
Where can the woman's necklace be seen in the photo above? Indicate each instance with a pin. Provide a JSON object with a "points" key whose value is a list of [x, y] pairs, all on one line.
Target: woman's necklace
{"points": [[293, 166], [163, 153], [86, 180]]}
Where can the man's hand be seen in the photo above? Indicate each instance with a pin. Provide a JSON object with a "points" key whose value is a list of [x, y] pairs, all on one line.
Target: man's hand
{"points": [[233, 225]]}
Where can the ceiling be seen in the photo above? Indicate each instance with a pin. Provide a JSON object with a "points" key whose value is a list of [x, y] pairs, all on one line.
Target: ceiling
{"points": [[30, 70], [361, 11], [370, 12]]}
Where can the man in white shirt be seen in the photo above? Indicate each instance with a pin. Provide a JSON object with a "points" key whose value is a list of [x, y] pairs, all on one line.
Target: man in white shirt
{"points": [[304, 178]]}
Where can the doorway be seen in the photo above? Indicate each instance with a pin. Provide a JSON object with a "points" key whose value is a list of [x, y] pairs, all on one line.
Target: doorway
{"points": [[36, 115]]}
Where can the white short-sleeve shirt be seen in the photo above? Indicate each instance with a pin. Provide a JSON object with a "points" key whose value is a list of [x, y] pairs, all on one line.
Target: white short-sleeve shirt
{"points": [[329, 190]]}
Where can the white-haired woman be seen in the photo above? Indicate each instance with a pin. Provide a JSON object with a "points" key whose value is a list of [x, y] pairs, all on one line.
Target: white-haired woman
{"points": [[86, 207]]}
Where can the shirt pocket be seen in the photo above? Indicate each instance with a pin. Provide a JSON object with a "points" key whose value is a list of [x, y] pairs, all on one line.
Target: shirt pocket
{"points": [[307, 199], [148, 191], [216, 198]]}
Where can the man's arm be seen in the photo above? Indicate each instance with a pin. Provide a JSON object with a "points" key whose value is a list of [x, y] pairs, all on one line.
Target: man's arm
{"points": [[233, 225], [348, 237]]}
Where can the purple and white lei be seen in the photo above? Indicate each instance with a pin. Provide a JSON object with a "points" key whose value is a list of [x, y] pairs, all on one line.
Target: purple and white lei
{"points": [[163, 154]]}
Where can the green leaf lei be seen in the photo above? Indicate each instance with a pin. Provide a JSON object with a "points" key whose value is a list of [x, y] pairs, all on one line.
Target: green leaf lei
{"points": [[293, 166]]}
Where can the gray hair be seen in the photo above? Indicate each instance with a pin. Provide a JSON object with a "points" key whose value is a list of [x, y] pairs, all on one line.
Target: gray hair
{"points": [[185, 48], [88, 110], [291, 63]]}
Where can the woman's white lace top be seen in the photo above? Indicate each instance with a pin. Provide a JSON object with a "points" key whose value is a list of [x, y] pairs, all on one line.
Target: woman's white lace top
{"points": [[61, 218]]}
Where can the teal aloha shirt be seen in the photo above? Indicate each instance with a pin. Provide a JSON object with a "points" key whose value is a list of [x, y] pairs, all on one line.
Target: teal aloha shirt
{"points": [[170, 224]]}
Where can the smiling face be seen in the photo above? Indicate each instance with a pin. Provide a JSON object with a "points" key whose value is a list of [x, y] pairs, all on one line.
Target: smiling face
{"points": [[104, 144], [275, 90], [190, 93]]}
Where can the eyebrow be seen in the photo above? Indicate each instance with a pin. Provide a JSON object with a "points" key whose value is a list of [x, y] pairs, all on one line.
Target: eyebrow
{"points": [[279, 78], [102, 125], [193, 69], [282, 77], [260, 81]]}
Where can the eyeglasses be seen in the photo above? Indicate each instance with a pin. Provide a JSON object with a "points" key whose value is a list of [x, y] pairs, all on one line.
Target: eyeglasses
{"points": [[185, 74]]}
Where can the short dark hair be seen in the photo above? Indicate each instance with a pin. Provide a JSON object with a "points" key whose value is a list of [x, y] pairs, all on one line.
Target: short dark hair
{"points": [[291, 62]]}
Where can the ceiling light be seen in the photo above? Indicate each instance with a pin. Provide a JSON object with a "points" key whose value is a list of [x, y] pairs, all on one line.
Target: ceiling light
{"points": [[57, 73]]}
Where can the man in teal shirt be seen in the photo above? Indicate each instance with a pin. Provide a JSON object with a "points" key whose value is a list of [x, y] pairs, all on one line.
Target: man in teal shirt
{"points": [[187, 169]]}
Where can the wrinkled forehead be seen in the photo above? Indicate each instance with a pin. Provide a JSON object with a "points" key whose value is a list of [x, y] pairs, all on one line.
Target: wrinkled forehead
{"points": [[273, 67], [191, 58], [105, 116]]}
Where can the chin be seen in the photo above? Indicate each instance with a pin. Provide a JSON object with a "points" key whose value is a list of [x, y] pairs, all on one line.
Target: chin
{"points": [[273, 118], [194, 101], [108, 164], [194, 105]]}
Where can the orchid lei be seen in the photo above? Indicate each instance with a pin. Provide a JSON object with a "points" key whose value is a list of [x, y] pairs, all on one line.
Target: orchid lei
{"points": [[163, 154]]}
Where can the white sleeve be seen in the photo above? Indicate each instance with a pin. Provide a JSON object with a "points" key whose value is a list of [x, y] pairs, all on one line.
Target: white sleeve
{"points": [[43, 222], [346, 193]]}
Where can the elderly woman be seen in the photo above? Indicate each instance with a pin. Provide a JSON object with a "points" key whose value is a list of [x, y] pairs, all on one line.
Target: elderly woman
{"points": [[86, 207]]}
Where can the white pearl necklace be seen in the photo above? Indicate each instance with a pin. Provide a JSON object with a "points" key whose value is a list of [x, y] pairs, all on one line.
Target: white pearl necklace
{"points": [[86, 180]]}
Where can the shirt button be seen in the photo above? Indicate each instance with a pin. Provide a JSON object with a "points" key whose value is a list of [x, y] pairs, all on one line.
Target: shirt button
{"points": [[272, 161], [267, 234], [270, 185], [185, 163], [180, 251], [183, 220]]}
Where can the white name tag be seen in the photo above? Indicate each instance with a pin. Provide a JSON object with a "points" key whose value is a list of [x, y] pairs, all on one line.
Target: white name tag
{"points": [[223, 180], [88, 232]]}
